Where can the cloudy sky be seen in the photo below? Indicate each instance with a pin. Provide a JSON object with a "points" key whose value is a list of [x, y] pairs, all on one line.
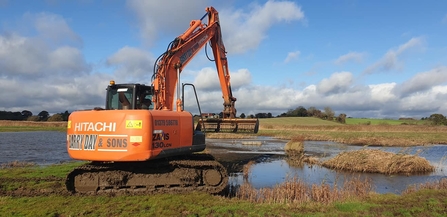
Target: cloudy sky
{"points": [[363, 58]]}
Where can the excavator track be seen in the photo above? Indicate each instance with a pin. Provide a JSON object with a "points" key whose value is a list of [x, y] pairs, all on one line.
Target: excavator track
{"points": [[198, 172]]}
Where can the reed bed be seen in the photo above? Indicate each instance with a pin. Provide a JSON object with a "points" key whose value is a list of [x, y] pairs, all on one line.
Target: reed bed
{"points": [[377, 161], [5, 123], [295, 147], [17, 164], [436, 185], [296, 191]]}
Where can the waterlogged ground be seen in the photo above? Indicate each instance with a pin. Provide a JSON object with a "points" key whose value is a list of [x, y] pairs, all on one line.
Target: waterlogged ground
{"points": [[44, 148]]}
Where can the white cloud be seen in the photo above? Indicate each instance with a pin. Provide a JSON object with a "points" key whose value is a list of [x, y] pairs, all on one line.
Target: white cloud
{"points": [[207, 79], [390, 61], [49, 52], [422, 82], [132, 64], [53, 27], [241, 30], [351, 56], [292, 56], [165, 17], [338, 82]]}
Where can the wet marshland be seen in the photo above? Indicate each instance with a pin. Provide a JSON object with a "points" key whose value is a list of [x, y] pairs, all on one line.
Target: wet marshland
{"points": [[270, 168]]}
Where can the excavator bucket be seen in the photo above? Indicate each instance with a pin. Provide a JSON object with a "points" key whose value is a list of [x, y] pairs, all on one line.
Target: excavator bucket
{"points": [[228, 125]]}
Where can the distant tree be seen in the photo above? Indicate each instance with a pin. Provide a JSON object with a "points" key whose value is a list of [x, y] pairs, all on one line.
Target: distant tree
{"points": [[65, 116], [311, 111], [33, 118], [43, 115], [251, 116], [56, 117], [26, 114], [341, 118], [301, 111], [291, 113], [438, 119], [314, 112], [329, 113], [242, 115], [269, 115], [261, 115], [282, 115]]}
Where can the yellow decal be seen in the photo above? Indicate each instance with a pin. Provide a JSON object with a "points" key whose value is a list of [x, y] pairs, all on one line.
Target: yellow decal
{"points": [[134, 124], [69, 125], [136, 139]]}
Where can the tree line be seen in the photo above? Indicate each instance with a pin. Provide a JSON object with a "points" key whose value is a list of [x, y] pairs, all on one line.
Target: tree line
{"points": [[300, 111], [26, 115]]}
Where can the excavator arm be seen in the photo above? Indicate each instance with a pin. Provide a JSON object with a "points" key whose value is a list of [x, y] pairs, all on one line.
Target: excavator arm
{"points": [[166, 78], [181, 51]]}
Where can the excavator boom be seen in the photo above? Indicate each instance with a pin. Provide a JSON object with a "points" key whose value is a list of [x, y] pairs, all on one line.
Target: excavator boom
{"points": [[166, 79]]}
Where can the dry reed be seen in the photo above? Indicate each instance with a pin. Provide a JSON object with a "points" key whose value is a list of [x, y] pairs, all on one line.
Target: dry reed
{"points": [[17, 164], [246, 170], [377, 161], [295, 191], [436, 185], [295, 147], [5, 123]]}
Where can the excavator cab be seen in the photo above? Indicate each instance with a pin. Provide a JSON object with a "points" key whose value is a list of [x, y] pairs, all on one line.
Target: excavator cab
{"points": [[129, 96]]}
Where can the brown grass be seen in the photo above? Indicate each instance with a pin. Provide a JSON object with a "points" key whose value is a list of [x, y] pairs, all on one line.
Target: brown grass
{"points": [[436, 185], [17, 164], [296, 191], [247, 169], [377, 161], [5, 123], [295, 147]]}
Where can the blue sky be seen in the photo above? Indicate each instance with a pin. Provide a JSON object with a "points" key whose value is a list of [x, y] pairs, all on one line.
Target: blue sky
{"points": [[382, 59]]}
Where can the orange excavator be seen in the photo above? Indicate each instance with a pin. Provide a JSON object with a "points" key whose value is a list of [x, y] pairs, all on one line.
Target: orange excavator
{"points": [[144, 141]]}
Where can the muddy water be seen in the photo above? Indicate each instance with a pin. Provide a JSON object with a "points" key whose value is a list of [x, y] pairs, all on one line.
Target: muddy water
{"points": [[46, 148]]}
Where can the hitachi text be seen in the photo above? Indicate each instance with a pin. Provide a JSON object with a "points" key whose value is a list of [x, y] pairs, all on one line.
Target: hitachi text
{"points": [[95, 127]]}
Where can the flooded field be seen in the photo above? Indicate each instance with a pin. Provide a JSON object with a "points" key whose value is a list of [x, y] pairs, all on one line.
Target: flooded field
{"points": [[270, 168]]}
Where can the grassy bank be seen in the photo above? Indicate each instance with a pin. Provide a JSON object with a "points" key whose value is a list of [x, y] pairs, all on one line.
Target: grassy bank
{"points": [[293, 198], [17, 126]]}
